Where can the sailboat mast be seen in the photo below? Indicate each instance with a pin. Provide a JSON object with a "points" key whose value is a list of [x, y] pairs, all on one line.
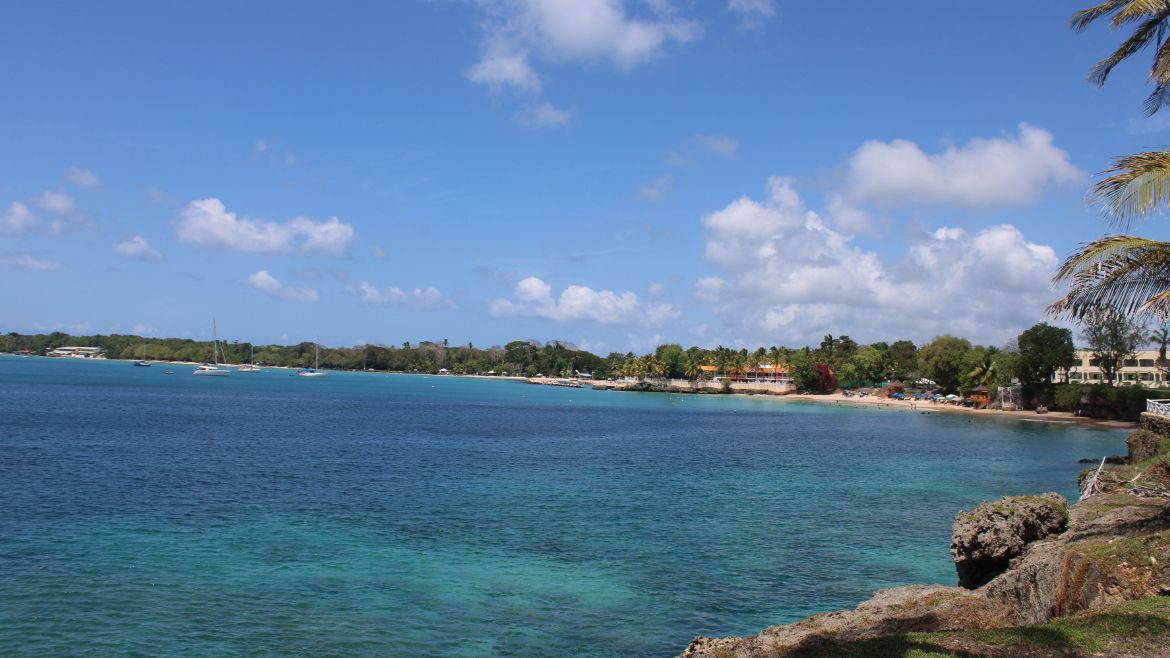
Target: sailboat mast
{"points": [[214, 343]]}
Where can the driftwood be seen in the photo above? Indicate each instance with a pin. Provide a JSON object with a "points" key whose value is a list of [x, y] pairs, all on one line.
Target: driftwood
{"points": [[1091, 486]]}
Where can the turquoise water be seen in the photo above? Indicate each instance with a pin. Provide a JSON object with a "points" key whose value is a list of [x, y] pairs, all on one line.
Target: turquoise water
{"points": [[371, 514]]}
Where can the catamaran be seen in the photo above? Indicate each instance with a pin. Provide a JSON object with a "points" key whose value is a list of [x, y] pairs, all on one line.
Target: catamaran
{"points": [[143, 363], [313, 372], [251, 365], [212, 370]]}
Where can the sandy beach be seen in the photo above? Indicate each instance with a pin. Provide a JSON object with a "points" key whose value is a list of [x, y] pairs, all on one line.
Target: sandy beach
{"points": [[919, 406]]}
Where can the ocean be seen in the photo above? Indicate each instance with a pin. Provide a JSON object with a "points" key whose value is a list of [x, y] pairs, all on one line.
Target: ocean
{"points": [[367, 514]]}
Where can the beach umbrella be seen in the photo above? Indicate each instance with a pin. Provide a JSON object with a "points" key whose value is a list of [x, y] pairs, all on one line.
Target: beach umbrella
{"points": [[952, 396]]}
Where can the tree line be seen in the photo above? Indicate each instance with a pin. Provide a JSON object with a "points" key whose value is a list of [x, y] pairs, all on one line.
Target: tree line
{"points": [[952, 362]]}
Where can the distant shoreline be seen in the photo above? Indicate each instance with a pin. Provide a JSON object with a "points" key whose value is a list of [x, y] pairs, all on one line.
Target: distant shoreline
{"points": [[871, 401], [1056, 417]]}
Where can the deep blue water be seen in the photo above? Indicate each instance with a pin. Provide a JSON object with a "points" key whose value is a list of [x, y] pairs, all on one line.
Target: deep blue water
{"points": [[371, 514]]}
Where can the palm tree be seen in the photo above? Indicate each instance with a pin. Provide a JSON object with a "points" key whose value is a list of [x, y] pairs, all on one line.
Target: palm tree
{"points": [[776, 359], [985, 371], [1128, 273], [739, 363], [1153, 21], [1161, 336], [720, 359]]}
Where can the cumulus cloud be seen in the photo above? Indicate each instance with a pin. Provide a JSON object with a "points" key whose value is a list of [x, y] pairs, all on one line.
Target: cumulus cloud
{"points": [[543, 116], [261, 146], [752, 12], [419, 298], [16, 220], [785, 275], [717, 144], [656, 190], [571, 30], [702, 146], [207, 223], [55, 202], [25, 261], [143, 329], [83, 178], [504, 65], [1001, 171], [271, 286], [138, 248], [533, 297]]}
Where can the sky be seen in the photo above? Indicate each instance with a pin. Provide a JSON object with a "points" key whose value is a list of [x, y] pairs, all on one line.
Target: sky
{"points": [[611, 173]]}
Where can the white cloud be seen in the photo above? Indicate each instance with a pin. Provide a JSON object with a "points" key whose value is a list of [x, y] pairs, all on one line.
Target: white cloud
{"points": [[1001, 171], [143, 330], [137, 247], [656, 190], [543, 116], [785, 276], [16, 220], [83, 178], [268, 284], [717, 144], [571, 30], [261, 146], [420, 298], [752, 11], [158, 197], [207, 223], [55, 202], [533, 297], [655, 288], [702, 146], [501, 65], [377, 252], [27, 262]]}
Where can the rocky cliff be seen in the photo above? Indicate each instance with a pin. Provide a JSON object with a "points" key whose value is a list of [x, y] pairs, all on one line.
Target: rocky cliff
{"points": [[1026, 565]]}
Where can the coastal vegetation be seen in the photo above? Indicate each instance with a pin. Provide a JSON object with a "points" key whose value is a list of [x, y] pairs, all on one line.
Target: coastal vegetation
{"points": [[951, 363]]}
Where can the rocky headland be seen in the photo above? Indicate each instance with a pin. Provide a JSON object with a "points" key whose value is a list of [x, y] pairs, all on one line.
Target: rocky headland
{"points": [[1037, 577]]}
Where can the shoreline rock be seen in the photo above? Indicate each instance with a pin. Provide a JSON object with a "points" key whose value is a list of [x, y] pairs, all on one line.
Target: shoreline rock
{"points": [[1027, 560]]}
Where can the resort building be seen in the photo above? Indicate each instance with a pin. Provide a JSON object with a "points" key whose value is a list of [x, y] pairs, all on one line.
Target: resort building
{"points": [[764, 372], [1142, 368], [77, 352]]}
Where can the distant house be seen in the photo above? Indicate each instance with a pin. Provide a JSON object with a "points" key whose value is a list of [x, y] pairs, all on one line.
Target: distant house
{"points": [[1141, 369], [764, 372], [77, 352]]}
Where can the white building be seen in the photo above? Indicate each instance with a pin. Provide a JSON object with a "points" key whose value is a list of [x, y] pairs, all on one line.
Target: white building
{"points": [[1142, 368], [77, 352]]}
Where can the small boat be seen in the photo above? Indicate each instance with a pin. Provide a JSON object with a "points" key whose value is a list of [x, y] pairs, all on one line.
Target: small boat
{"points": [[143, 363], [313, 372], [212, 370], [251, 365]]}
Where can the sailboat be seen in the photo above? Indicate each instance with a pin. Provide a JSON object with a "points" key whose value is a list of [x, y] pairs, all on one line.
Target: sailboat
{"points": [[212, 370], [313, 372], [251, 365], [143, 363]]}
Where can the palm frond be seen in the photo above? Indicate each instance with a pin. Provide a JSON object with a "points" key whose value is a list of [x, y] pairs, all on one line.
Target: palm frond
{"points": [[1150, 31], [1127, 273], [1085, 17], [1135, 186], [1136, 10]]}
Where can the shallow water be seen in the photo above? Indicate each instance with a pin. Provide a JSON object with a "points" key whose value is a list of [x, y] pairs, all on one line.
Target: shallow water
{"points": [[371, 514]]}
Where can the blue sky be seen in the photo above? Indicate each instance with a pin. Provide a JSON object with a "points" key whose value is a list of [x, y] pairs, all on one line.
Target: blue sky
{"points": [[615, 174]]}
